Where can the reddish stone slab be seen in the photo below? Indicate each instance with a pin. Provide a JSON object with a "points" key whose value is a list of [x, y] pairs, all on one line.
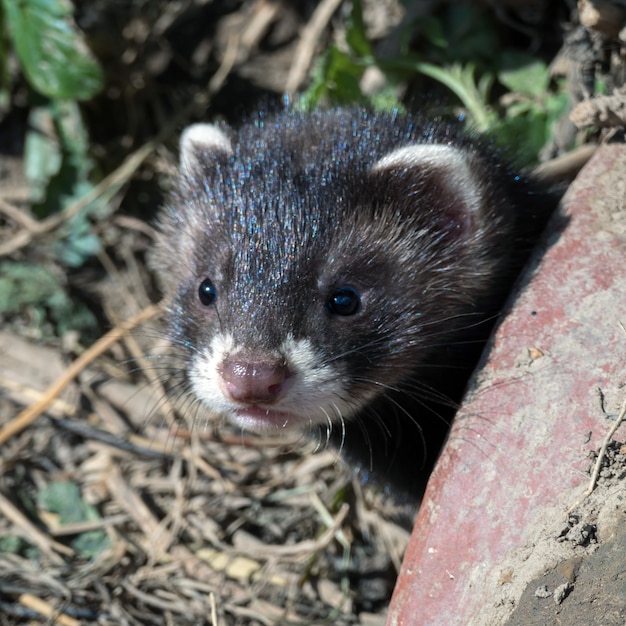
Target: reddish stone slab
{"points": [[518, 451]]}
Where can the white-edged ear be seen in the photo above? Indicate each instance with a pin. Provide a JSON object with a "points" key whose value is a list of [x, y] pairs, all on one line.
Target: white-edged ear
{"points": [[202, 139], [449, 162]]}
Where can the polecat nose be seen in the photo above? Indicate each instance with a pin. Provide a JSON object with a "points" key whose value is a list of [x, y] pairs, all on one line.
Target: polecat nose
{"points": [[254, 381]]}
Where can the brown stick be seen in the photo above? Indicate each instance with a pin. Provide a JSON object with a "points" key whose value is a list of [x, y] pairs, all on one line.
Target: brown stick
{"points": [[31, 413]]}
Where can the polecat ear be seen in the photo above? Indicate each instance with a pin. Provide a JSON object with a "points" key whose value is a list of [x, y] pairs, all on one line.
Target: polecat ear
{"points": [[200, 143], [442, 177]]}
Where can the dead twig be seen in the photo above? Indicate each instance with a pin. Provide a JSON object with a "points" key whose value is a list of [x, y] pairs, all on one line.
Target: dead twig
{"points": [[18, 216], [30, 414], [566, 167], [306, 47], [606, 442], [84, 527], [158, 538], [304, 549], [138, 355], [214, 621], [44, 608], [602, 453], [48, 546], [114, 180]]}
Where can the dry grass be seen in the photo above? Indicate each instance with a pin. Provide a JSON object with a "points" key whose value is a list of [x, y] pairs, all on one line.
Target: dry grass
{"points": [[185, 526]]}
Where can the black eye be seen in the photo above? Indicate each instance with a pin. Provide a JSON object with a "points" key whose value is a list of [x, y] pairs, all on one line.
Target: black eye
{"points": [[344, 301], [207, 292]]}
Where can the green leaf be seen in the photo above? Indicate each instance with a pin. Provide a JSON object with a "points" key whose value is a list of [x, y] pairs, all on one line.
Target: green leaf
{"points": [[52, 51], [30, 285], [460, 80], [79, 242], [470, 34], [386, 100], [431, 29], [58, 169], [356, 36], [65, 499], [5, 75], [24, 284], [56, 156], [344, 75], [600, 87], [42, 155], [336, 78], [527, 131], [524, 74], [90, 544], [557, 105], [10, 544]]}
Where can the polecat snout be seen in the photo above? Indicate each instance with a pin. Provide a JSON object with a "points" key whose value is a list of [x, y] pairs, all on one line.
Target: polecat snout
{"points": [[338, 272]]}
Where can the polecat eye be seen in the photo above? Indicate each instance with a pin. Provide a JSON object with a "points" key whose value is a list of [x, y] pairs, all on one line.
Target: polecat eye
{"points": [[207, 292], [344, 301]]}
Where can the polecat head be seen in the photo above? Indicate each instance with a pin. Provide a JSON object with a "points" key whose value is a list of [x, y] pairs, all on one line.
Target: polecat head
{"points": [[314, 263]]}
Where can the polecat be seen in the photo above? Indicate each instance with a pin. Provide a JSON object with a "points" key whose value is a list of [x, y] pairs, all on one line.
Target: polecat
{"points": [[337, 273]]}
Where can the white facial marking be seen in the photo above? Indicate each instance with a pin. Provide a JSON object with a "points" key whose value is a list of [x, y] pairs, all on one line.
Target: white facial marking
{"points": [[317, 386], [205, 377], [316, 395]]}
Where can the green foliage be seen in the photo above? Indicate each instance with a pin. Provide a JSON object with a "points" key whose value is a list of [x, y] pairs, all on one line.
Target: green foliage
{"points": [[532, 109], [337, 73], [56, 155], [61, 70], [468, 36], [11, 544], [53, 55], [461, 50], [5, 92], [64, 499], [524, 74], [58, 168], [29, 285], [336, 78]]}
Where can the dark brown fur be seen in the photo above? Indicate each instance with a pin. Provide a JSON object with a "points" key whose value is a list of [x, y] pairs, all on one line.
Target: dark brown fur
{"points": [[297, 207]]}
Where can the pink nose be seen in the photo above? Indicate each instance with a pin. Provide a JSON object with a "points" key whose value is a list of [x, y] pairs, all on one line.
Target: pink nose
{"points": [[254, 382]]}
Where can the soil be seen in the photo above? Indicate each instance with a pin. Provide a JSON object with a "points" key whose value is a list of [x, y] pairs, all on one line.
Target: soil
{"points": [[589, 585]]}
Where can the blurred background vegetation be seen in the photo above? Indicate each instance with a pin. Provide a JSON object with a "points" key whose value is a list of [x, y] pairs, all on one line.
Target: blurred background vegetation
{"points": [[91, 91]]}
